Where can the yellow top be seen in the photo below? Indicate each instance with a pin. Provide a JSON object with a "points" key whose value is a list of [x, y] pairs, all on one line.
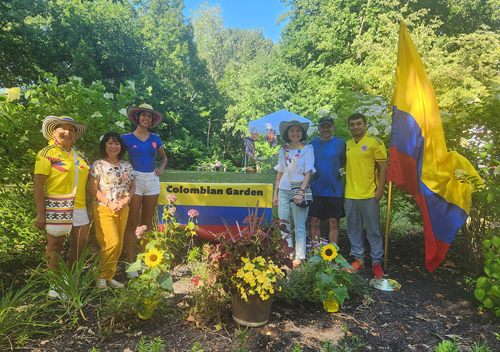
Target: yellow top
{"points": [[59, 167], [361, 167]]}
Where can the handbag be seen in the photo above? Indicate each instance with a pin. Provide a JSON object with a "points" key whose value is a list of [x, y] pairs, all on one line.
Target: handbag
{"points": [[59, 209], [295, 187], [307, 198]]}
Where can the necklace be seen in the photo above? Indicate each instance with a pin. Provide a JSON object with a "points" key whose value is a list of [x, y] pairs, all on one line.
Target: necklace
{"points": [[116, 162], [287, 152]]}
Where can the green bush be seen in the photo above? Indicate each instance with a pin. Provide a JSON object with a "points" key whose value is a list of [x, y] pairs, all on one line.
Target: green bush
{"points": [[20, 241]]}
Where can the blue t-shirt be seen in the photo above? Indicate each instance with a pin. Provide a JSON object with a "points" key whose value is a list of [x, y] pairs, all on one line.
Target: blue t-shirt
{"points": [[142, 155], [329, 157]]}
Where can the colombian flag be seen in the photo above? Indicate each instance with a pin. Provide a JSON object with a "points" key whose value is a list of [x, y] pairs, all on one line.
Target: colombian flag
{"points": [[419, 162]]}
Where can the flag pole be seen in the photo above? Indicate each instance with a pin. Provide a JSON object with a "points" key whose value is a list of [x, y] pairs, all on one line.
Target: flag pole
{"points": [[387, 225]]}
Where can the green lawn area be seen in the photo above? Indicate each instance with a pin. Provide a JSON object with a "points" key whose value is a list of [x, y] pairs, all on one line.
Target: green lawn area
{"points": [[216, 177]]}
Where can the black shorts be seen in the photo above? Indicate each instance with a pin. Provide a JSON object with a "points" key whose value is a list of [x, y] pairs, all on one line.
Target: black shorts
{"points": [[327, 207]]}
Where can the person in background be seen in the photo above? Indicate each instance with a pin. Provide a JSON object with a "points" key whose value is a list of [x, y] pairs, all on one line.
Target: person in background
{"points": [[59, 188], [112, 183], [142, 148], [326, 184], [364, 190], [295, 163]]}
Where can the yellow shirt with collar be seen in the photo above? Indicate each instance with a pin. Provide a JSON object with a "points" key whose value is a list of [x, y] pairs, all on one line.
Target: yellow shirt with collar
{"points": [[361, 166]]}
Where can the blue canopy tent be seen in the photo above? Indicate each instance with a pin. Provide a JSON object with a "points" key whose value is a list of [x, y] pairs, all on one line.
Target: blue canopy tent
{"points": [[273, 121]]}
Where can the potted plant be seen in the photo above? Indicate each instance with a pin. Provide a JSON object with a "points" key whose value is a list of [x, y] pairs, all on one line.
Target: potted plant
{"points": [[248, 264], [332, 279]]}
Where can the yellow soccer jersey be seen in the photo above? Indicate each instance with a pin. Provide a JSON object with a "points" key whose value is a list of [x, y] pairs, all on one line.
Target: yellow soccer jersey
{"points": [[361, 167], [60, 169]]}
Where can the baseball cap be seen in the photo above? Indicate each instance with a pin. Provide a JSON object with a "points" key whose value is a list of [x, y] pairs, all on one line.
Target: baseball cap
{"points": [[326, 119]]}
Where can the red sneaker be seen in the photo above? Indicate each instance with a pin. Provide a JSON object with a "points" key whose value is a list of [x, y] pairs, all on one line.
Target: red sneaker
{"points": [[356, 265], [377, 270]]}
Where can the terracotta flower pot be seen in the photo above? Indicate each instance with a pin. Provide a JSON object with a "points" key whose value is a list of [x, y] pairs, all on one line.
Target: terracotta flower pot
{"points": [[253, 313]]}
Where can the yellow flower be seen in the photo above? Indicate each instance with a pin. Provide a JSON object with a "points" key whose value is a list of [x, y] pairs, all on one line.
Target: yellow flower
{"points": [[245, 260], [153, 258], [329, 252]]}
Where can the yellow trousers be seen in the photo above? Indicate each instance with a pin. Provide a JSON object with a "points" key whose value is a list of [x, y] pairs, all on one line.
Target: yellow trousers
{"points": [[109, 231]]}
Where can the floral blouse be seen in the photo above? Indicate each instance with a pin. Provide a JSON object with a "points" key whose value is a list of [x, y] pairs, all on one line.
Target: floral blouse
{"points": [[114, 180], [298, 163]]}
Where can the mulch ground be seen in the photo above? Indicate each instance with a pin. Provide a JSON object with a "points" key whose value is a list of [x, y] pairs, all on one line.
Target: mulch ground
{"points": [[429, 308]]}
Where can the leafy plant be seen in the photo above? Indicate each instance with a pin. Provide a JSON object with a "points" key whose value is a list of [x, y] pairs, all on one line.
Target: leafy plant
{"points": [[480, 347], [448, 346], [76, 284], [488, 287], [242, 337], [21, 312], [296, 347], [155, 345], [299, 285], [197, 347], [346, 344], [20, 241], [332, 278], [119, 306]]}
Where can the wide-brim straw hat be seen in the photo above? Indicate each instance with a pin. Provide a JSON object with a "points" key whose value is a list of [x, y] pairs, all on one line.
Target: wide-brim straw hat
{"points": [[285, 125], [134, 112], [51, 122]]}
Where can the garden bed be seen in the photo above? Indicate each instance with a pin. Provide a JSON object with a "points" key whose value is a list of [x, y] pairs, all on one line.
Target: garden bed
{"points": [[429, 308]]}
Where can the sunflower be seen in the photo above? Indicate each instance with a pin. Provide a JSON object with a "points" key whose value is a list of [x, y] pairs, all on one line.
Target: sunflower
{"points": [[329, 252], [153, 258]]}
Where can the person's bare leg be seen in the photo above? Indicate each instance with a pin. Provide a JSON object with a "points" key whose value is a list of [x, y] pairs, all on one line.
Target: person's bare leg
{"points": [[54, 249], [315, 232], [333, 234], [79, 235], [148, 211], [129, 235]]}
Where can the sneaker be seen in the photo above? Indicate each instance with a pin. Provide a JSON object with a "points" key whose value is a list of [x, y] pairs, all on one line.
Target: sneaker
{"points": [[356, 265], [296, 263], [54, 294], [131, 274], [101, 284], [377, 270], [114, 284]]}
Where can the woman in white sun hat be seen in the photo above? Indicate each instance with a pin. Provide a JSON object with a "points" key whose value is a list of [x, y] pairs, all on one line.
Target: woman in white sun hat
{"points": [[142, 148], [295, 163], [59, 188]]}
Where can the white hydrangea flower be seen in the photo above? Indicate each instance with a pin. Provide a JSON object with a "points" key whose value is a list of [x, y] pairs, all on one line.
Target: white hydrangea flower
{"points": [[109, 96], [496, 171], [120, 124], [96, 83], [131, 85], [373, 131], [123, 112], [387, 130], [97, 114], [79, 79], [100, 138], [342, 171], [459, 173]]}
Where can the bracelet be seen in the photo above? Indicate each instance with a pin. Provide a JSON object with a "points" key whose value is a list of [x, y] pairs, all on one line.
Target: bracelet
{"points": [[303, 190]]}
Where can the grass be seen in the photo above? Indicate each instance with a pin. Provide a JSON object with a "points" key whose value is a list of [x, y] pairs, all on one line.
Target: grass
{"points": [[217, 177]]}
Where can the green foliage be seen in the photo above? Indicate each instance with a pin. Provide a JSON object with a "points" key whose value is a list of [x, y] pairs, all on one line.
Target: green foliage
{"points": [[21, 312], [296, 347], [242, 337], [119, 306], [346, 344], [20, 241], [488, 287], [210, 299], [197, 347], [448, 346], [156, 345], [77, 283], [480, 347], [299, 284]]}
